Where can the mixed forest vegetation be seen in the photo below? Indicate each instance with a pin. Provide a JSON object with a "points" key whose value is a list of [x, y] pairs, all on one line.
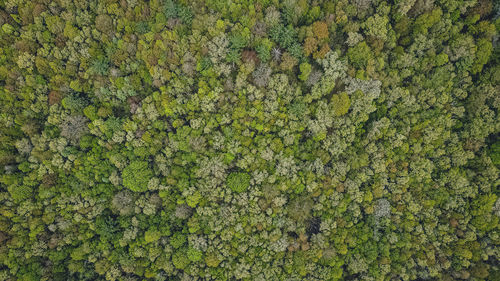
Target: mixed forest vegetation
{"points": [[249, 140]]}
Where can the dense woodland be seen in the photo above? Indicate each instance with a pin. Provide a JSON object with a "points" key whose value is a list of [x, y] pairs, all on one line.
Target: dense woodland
{"points": [[249, 140]]}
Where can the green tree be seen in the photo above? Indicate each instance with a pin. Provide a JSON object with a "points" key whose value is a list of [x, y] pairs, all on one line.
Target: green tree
{"points": [[360, 54], [238, 181], [305, 70], [136, 176]]}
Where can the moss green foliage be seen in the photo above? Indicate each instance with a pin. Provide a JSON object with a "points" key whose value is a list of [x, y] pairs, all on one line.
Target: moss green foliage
{"points": [[249, 140]]}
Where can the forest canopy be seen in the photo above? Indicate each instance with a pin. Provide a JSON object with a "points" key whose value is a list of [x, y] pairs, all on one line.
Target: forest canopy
{"points": [[249, 140]]}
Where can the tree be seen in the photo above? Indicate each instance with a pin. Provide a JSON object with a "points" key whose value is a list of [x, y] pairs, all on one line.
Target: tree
{"points": [[104, 23], [340, 103], [238, 181], [123, 203], [136, 176], [494, 152], [376, 26], [74, 127], [320, 30], [359, 55], [261, 75], [305, 70], [484, 49]]}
